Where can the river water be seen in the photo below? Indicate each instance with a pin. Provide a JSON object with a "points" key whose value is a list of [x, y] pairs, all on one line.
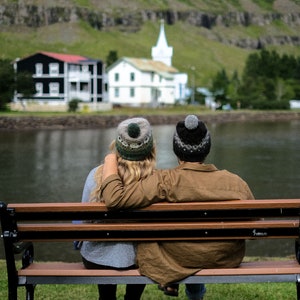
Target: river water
{"points": [[51, 165]]}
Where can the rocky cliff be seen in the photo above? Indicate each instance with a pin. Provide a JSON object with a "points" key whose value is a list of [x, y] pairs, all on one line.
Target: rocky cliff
{"points": [[34, 14]]}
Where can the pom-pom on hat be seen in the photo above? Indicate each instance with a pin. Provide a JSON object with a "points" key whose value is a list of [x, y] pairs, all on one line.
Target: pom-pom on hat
{"points": [[191, 141], [134, 139]]}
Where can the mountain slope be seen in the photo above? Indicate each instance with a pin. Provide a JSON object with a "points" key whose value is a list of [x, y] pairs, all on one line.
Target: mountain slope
{"points": [[207, 35]]}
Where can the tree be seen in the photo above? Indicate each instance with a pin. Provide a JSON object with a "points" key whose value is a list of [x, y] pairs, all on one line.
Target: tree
{"points": [[220, 85], [220, 82], [7, 83], [250, 92], [263, 64], [269, 80], [111, 57], [25, 84], [265, 93], [21, 82], [232, 90], [288, 67]]}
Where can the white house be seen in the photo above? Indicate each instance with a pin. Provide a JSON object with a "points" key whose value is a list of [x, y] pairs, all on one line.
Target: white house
{"points": [[141, 82], [146, 82]]}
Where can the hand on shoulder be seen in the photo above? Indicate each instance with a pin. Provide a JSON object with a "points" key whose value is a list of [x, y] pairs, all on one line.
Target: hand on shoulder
{"points": [[110, 166], [111, 157]]}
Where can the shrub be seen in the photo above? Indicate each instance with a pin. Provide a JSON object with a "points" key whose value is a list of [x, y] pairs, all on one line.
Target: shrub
{"points": [[73, 105]]}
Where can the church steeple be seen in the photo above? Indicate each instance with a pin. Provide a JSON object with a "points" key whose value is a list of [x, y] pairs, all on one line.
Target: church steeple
{"points": [[162, 52]]}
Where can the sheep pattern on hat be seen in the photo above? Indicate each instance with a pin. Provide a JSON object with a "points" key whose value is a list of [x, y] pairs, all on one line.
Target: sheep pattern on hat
{"points": [[134, 139], [191, 141]]}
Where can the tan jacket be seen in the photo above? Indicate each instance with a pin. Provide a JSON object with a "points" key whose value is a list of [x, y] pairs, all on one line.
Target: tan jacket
{"points": [[185, 183], [172, 261]]}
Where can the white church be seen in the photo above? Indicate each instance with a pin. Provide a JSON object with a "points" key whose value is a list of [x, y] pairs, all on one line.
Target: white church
{"points": [[147, 82]]}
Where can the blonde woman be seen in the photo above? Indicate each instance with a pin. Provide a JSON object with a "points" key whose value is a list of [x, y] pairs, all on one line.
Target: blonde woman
{"points": [[135, 153]]}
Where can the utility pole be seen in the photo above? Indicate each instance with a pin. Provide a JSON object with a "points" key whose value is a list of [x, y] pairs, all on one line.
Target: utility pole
{"points": [[193, 85]]}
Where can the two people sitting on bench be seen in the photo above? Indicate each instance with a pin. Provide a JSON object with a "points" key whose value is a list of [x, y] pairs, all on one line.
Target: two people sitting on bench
{"points": [[135, 154], [191, 180]]}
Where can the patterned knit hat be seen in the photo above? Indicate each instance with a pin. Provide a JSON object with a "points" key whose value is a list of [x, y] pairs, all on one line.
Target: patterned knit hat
{"points": [[191, 141], [134, 139]]}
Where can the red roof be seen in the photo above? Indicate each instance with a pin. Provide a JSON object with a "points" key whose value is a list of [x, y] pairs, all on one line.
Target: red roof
{"points": [[69, 58]]}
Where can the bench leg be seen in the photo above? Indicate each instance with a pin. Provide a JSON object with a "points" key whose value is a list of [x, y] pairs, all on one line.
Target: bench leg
{"points": [[30, 292], [298, 287], [12, 292]]}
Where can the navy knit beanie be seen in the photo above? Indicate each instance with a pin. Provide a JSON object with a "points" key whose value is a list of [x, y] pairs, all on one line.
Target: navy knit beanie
{"points": [[191, 141]]}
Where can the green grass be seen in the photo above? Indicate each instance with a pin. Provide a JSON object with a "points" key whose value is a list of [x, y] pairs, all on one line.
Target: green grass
{"points": [[266, 4], [128, 111], [264, 291], [132, 111]]}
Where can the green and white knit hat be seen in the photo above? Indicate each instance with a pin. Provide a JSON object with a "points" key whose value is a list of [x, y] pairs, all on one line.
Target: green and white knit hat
{"points": [[134, 139]]}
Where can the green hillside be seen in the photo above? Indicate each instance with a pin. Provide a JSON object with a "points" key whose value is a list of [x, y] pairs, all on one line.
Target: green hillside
{"points": [[207, 50]]}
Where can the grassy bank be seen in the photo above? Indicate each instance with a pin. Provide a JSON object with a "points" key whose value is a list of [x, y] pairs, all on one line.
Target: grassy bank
{"points": [[265, 291], [180, 109], [146, 111]]}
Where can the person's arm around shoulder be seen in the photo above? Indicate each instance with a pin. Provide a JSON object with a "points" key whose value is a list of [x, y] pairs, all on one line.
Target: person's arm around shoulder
{"points": [[140, 194]]}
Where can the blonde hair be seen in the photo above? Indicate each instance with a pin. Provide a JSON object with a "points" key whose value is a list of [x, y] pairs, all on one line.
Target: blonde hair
{"points": [[129, 171]]}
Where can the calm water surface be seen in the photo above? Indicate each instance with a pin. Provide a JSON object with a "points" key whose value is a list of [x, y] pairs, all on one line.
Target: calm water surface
{"points": [[51, 165]]}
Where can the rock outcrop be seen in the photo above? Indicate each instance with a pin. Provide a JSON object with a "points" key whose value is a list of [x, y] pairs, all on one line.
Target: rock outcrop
{"points": [[34, 16]]}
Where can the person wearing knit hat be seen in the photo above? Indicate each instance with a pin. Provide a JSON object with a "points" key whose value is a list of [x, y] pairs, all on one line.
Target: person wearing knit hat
{"points": [[135, 149], [134, 139], [191, 181], [191, 141]]}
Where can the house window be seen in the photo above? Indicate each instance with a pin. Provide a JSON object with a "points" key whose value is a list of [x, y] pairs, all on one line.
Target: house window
{"points": [[85, 69], [39, 69], [132, 92], [53, 69], [39, 88], [84, 86], [117, 92], [54, 88], [132, 76], [73, 68], [152, 76], [116, 76], [73, 87]]}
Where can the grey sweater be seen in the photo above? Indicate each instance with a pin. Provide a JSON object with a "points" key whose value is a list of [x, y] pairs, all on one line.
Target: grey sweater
{"points": [[117, 255]]}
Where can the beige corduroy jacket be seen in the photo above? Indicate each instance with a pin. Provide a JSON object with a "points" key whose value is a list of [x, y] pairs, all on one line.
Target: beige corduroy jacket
{"points": [[171, 261]]}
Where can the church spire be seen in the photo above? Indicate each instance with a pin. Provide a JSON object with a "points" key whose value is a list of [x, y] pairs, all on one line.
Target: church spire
{"points": [[162, 52]]}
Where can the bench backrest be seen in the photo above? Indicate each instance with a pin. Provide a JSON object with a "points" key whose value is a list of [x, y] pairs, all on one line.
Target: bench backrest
{"points": [[23, 224], [232, 219]]}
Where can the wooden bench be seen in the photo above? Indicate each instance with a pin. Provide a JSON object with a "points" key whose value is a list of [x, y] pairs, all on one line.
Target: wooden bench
{"points": [[25, 224]]}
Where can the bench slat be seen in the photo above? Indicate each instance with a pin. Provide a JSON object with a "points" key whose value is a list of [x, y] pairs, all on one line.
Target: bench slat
{"points": [[292, 223], [168, 231], [211, 205], [192, 210], [61, 269]]}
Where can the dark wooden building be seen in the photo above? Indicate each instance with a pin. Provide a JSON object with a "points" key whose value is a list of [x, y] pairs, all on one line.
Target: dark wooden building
{"points": [[59, 78]]}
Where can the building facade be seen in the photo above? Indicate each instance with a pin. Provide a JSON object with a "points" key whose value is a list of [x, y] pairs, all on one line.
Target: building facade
{"points": [[147, 82], [60, 78], [141, 82]]}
